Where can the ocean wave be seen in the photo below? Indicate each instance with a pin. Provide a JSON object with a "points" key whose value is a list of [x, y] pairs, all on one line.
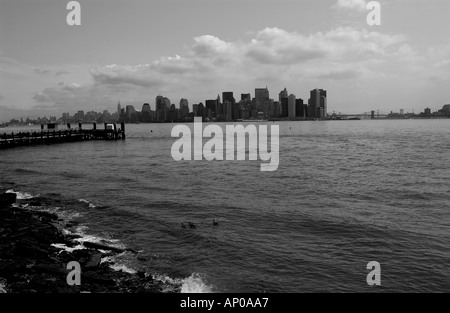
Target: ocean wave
{"points": [[66, 215], [66, 248], [192, 284], [2, 287], [91, 205], [21, 195], [122, 267]]}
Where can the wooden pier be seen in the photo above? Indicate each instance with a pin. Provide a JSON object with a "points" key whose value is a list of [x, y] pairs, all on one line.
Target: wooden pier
{"points": [[52, 135]]}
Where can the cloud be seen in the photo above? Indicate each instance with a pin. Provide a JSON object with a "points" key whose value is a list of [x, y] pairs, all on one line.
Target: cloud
{"points": [[341, 75], [38, 71], [271, 56], [59, 73], [358, 5]]}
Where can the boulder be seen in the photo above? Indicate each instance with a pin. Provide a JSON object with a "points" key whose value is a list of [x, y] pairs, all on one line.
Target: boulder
{"points": [[7, 198]]}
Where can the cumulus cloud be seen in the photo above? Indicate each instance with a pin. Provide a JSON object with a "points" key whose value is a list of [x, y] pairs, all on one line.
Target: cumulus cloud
{"points": [[270, 56]]}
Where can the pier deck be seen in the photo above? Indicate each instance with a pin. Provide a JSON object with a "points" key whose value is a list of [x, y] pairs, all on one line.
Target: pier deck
{"points": [[59, 136]]}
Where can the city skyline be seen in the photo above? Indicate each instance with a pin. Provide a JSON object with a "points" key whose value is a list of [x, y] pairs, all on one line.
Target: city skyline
{"points": [[126, 52]]}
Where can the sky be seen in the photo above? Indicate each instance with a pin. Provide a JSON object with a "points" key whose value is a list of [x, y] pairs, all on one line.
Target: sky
{"points": [[131, 51]]}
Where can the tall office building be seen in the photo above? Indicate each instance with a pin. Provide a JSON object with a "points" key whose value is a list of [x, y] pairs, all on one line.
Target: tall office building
{"points": [[317, 104], [166, 102], [262, 100], [299, 108], [184, 103], [211, 105], [284, 107], [246, 97], [261, 95], [159, 102], [291, 106], [145, 108], [228, 96], [118, 108], [283, 94], [145, 113]]}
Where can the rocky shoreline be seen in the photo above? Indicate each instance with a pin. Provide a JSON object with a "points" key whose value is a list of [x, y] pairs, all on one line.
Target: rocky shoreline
{"points": [[29, 263]]}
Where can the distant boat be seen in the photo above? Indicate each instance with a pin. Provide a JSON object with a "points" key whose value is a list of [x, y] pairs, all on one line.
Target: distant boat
{"points": [[3, 125], [354, 119]]}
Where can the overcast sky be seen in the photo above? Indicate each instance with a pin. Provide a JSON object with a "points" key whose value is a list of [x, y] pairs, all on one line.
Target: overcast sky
{"points": [[134, 50]]}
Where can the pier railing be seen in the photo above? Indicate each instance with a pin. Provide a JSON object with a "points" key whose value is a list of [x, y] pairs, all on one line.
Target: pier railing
{"points": [[110, 132]]}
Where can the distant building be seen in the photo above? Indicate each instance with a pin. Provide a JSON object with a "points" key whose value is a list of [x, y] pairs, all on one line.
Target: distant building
{"points": [[402, 112], [427, 111], [283, 94], [299, 110], [212, 105], [184, 103], [119, 108], [195, 109], [228, 96], [146, 108], [159, 102], [146, 113], [246, 97], [284, 107], [317, 104], [261, 98], [291, 106], [166, 102]]}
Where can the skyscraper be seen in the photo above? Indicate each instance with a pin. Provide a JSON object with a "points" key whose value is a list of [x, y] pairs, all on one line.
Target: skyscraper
{"points": [[118, 109], [291, 106], [228, 96], [145, 113], [145, 108], [184, 103], [261, 100], [317, 104], [299, 112], [166, 102], [159, 102], [283, 94], [284, 107], [211, 105], [246, 97]]}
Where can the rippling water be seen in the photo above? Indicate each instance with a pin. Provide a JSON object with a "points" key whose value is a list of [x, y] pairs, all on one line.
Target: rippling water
{"points": [[345, 193]]}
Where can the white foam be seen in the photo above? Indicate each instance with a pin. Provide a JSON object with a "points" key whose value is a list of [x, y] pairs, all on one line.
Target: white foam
{"points": [[195, 284], [21, 195], [91, 205], [113, 243], [191, 284], [2, 287], [122, 267], [66, 248]]}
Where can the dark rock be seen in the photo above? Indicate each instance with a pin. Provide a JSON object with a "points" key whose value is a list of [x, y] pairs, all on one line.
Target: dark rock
{"points": [[7, 198], [50, 268], [94, 261], [141, 274]]}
